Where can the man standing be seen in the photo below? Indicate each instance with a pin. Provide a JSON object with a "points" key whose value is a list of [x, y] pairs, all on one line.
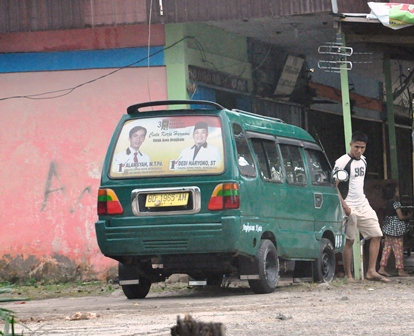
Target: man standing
{"points": [[357, 208]]}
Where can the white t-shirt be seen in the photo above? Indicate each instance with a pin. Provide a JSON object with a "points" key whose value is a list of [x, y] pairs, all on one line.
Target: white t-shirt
{"points": [[354, 187]]}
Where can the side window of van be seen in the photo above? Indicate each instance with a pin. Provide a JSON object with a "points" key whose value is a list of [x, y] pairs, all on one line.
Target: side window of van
{"points": [[244, 156], [294, 166], [319, 169], [269, 160]]}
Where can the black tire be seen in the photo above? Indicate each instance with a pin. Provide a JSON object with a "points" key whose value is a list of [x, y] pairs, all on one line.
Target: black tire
{"points": [[268, 266], [139, 291], [215, 279], [132, 272], [324, 266]]}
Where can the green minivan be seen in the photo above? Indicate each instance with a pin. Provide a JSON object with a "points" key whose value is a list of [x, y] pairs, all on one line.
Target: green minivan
{"points": [[214, 193]]}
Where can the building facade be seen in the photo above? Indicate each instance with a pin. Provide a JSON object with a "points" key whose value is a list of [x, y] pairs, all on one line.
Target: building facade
{"points": [[69, 70]]}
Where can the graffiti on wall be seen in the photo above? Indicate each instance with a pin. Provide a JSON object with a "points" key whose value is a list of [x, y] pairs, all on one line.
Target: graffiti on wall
{"points": [[48, 185], [52, 174], [88, 189]]}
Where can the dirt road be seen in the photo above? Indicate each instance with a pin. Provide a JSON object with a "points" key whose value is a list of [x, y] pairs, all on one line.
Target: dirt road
{"points": [[364, 308]]}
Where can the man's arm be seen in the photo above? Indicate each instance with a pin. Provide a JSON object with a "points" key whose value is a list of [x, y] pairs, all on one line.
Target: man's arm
{"points": [[338, 166], [345, 206]]}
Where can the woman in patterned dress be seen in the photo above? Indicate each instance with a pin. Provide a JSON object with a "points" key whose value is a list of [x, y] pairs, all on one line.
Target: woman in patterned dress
{"points": [[394, 229]]}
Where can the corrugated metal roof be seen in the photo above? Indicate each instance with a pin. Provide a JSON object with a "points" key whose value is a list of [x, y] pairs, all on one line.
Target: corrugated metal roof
{"points": [[38, 15], [361, 6], [41, 15], [216, 10], [115, 12], [35, 15]]}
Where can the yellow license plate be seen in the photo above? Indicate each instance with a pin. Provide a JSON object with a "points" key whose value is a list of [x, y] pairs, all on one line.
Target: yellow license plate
{"points": [[163, 200]]}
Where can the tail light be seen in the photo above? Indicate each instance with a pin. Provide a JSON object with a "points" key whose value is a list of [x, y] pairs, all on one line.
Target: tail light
{"points": [[108, 203], [225, 196]]}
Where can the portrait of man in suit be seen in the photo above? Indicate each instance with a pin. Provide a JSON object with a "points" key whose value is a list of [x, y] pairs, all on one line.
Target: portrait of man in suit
{"points": [[132, 157], [201, 150]]}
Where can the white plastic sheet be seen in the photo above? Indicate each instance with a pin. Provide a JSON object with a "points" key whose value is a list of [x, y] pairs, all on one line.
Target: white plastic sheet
{"points": [[392, 15]]}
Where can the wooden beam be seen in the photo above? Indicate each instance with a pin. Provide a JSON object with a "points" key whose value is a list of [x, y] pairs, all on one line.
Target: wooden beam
{"points": [[333, 94], [358, 19], [388, 39]]}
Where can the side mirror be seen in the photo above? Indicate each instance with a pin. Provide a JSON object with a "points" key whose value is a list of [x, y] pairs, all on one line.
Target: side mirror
{"points": [[341, 175]]}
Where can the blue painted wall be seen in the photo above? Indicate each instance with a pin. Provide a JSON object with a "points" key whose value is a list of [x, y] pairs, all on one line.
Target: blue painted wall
{"points": [[77, 60]]}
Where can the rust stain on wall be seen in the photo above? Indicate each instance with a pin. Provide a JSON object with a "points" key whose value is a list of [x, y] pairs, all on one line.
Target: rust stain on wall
{"points": [[53, 269]]}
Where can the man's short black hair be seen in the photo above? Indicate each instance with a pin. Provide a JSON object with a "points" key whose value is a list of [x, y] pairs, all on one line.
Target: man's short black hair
{"points": [[359, 136], [136, 129]]}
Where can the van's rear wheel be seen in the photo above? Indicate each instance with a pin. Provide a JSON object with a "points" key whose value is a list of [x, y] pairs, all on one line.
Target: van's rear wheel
{"points": [[133, 291], [324, 266], [215, 279], [268, 266], [138, 291]]}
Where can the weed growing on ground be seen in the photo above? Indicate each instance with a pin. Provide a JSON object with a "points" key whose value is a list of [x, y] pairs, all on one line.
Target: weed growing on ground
{"points": [[7, 316]]}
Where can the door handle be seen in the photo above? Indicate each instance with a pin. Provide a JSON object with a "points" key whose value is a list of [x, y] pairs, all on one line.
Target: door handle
{"points": [[318, 200]]}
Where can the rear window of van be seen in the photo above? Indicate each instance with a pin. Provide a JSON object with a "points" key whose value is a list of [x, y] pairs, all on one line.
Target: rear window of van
{"points": [[168, 146]]}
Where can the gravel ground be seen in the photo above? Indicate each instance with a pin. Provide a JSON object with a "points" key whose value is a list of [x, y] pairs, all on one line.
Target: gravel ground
{"points": [[363, 308]]}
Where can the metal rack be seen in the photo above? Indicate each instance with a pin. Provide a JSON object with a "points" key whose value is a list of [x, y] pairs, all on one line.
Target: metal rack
{"points": [[335, 57]]}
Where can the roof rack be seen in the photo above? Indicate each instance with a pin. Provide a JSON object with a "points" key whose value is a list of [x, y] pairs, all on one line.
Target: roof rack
{"points": [[259, 115], [135, 108]]}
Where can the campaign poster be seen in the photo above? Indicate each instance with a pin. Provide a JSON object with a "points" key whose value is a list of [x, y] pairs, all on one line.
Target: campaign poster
{"points": [[176, 145]]}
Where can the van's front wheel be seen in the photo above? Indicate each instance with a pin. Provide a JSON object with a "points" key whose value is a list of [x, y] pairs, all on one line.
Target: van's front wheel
{"points": [[268, 266], [324, 266]]}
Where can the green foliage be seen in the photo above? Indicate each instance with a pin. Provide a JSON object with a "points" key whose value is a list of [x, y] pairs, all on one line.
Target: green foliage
{"points": [[32, 282], [6, 315]]}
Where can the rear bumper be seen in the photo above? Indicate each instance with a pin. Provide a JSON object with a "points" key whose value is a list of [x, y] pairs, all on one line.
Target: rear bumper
{"points": [[168, 239]]}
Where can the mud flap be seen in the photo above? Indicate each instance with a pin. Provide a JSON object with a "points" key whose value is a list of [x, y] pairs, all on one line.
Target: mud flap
{"points": [[248, 269]]}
